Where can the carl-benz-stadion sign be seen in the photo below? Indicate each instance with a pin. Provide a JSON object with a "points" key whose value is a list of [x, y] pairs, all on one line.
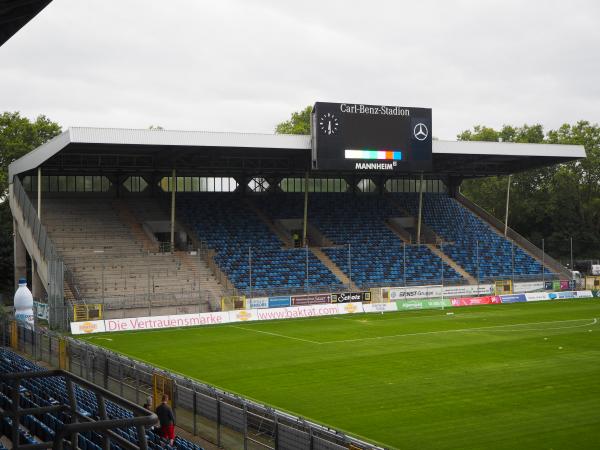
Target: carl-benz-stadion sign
{"points": [[351, 136]]}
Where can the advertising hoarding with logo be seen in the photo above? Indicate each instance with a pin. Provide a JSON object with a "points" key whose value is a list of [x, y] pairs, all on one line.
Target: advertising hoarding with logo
{"points": [[346, 297], [88, 327], [513, 298], [351, 136], [257, 302], [379, 307], [310, 299], [473, 301], [401, 293], [280, 301], [434, 303]]}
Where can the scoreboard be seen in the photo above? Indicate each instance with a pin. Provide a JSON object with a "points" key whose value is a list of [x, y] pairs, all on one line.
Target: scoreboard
{"points": [[349, 136]]}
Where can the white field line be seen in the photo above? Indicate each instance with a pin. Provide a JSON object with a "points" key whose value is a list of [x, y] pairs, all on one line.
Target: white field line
{"points": [[424, 333], [463, 330], [276, 335]]}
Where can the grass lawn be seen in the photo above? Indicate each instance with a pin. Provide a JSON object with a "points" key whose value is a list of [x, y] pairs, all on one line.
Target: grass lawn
{"points": [[517, 376]]}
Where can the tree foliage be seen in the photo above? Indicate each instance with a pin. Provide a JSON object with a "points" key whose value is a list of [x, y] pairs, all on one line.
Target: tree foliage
{"points": [[299, 123], [18, 136], [553, 203]]}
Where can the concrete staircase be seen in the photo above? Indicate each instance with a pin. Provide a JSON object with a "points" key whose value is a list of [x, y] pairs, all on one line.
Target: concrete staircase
{"points": [[285, 239], [462, 272], [204, 276], [406, 237], [135, 226], [327, 262]]}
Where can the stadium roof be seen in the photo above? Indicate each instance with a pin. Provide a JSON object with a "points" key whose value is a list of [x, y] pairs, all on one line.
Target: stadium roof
{"points": [[14, 14], [112, 150]]}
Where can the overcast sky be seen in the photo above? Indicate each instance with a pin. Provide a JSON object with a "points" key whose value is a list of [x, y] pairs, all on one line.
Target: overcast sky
{"points": [[245, 65]]}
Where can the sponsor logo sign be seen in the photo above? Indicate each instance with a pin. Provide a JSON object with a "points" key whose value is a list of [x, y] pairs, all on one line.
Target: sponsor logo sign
{"points": [[243, 315], [347, 297], [279, 302], [527, 286], [298, 312], [434, 303], [473, 301], [537, 296], [94, 326], [158, 322], [41, 310], [350, 308], [400, 293], [311, 299], [565, 294], [565, 285], [585, 294], [257, 302], [379, 307], [513, 298]]}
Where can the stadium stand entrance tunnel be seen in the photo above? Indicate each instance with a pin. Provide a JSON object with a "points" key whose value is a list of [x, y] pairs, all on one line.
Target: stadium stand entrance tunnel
{"points": [[231, 195]]}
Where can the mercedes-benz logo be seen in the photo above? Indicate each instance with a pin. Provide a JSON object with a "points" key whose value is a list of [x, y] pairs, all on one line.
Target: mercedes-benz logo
{"points": [[420, 131]]}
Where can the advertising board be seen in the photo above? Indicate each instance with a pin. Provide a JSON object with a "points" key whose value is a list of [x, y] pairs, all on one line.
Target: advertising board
{"points": [[537, 296], [527, 286], [379, 307], [513, 298], [434, 303], [346, 297], [400, 293], [88, 327], [474, 301], [310, 299], [174, 321], [280, 301], [257, 302]]}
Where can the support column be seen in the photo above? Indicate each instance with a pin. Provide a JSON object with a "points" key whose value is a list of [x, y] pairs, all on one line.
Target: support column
{"points": [[420, 210], [36, 285], [39, 193], [38, 290], [173, 189], [305, 218], [507, 203], [20, 256]]}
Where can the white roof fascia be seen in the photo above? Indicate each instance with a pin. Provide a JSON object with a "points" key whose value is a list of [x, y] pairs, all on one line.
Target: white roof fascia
{"points": [[120, 136], [508, 149], [187, 138], [38, 156]]}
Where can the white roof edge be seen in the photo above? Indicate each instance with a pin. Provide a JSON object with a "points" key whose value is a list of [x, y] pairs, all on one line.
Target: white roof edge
{"points": [[121, 136], [508, 149], [37, 156]]}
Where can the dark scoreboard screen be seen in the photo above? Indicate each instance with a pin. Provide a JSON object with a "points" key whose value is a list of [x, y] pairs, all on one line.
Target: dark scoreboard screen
{"points": [[349, 136]]}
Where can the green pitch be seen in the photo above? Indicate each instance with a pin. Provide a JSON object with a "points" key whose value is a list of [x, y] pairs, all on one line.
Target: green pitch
{"points": [[518, 376]]}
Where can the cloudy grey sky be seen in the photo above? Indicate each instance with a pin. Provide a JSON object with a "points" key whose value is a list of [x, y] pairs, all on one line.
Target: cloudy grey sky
{"points": [[244, 65]]}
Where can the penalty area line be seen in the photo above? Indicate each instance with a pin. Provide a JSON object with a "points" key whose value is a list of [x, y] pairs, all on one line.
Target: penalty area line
{"points": [[463, 330], [276, 335]]}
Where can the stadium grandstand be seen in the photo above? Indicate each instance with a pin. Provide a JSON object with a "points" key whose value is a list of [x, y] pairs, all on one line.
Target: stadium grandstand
{"points": [[150, 222], [124, 223], [154, 224]]}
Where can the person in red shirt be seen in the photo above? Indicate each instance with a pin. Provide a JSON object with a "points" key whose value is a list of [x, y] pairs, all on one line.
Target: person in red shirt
{"points": [[166, 420]]}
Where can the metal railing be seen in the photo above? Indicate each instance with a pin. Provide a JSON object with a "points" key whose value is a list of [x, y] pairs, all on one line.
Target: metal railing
{"points": [[219, 417], [48, 253], [79, 422]]}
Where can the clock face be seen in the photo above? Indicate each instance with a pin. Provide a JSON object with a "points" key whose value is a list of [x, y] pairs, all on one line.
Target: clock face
{"points": [[329, 124]]}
